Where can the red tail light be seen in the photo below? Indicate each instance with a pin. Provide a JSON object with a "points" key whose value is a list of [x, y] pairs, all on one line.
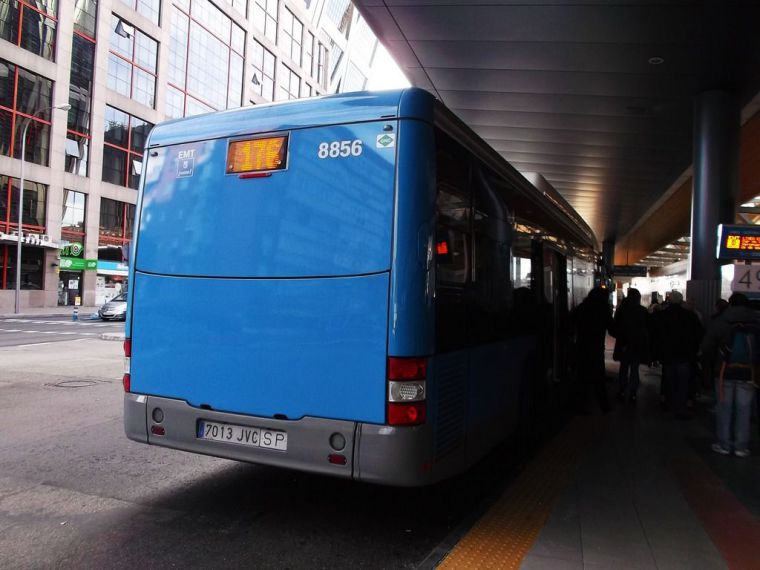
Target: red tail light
{"points": [[407, 414], [407, 391], [127, 380], [407, 368]]}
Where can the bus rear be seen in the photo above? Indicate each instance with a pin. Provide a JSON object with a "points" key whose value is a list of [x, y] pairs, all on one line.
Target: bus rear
{"points": [[258, 323]]}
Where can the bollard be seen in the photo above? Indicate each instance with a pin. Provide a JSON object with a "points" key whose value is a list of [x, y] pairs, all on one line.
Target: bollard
{"points": [[75, 315]]}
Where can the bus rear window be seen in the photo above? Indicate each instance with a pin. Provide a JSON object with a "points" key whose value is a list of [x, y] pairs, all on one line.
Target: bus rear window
{"points": [[320, 217]]}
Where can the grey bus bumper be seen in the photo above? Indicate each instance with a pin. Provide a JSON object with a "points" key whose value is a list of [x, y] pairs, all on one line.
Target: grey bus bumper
{"points": [[374, 453]]}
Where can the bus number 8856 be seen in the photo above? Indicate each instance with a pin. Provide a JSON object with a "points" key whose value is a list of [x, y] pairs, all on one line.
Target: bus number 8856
{"points": [[340, 149]]}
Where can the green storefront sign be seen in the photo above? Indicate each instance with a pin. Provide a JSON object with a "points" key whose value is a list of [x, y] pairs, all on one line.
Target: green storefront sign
{"points": [[72, 250], [78, 264]]}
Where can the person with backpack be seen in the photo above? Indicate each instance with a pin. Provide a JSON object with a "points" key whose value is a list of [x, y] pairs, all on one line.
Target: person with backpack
{"points": [[733, 340]]}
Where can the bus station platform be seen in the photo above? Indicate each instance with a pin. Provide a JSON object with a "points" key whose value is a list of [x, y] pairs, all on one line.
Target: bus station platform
{"points": [[631, 489]]}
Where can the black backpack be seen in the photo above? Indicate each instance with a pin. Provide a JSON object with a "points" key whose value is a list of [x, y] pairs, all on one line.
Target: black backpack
{"points": [[740, 354]]}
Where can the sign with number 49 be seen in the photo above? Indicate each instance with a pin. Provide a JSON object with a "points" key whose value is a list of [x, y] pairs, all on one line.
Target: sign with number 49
{"points": [[746, 278]]}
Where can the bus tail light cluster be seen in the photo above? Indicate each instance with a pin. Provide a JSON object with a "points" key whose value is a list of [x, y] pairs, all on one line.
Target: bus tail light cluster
{"points": [[407, 391], [127, 381]]}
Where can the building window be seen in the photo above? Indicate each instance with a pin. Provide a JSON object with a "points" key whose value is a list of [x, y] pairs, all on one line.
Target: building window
{"points": [[336, 54], [340, 13], [22, 94], [148, 8], [289, 84], [123, 146], [239, 5], [33, 212], [30, 25], [33, 219], [265, 18], [291, 35], [72, 221], [306, 90], [77, 153], [355, 80], [205, 61], [116, 222], [321, 60], [85, 17], [31, 267], [308, 54], [132, 62], [263, 71], [363, 42], [80, 93]]}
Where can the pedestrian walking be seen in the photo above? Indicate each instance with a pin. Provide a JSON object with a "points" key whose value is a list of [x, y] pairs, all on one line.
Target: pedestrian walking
{"points": [[732, 340], [631, 332]]}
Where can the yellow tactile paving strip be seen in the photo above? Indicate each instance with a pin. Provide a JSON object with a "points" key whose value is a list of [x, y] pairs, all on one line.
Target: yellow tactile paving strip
{"points": [[501, 539]]}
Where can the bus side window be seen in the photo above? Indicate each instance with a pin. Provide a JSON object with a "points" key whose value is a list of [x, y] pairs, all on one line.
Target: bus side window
{"points": [[491, 292], [452, 229], [453, 250]]}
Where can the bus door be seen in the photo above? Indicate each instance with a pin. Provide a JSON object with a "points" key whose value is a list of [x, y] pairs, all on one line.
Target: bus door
{"points": [[553, 299]]}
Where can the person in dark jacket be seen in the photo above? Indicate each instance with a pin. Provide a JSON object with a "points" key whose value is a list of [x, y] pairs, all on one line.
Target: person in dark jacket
{"points": [[590, 321], [731, 391], [631, 342], [708, 358], [678, 334]]}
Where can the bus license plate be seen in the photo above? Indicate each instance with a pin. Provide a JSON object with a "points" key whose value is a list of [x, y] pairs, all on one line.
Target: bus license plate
{"points": [[243, 435]]}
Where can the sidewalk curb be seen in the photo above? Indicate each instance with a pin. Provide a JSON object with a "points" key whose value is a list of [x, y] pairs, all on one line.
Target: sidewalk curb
{"points": [[84, 315], [112, 336]]}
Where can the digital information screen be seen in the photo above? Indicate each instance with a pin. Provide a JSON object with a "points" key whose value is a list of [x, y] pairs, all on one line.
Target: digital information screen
{"points": [[739, 242], [629, 271]]}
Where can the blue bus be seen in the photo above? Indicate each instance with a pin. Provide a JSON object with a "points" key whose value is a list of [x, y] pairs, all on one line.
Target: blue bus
{"points": [[354, 285]]}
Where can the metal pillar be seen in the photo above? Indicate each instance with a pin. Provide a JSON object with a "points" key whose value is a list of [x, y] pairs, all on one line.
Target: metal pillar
{"points": [[715, 190], [608, 254]]}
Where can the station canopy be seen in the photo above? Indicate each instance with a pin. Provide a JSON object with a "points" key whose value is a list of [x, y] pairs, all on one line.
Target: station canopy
{"points": [[596, 96]]}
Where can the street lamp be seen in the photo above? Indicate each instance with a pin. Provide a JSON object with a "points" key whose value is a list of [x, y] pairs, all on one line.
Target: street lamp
{"points": [[64, 107]]}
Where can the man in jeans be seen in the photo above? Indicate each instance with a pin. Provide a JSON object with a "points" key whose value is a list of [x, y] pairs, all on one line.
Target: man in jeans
{"points": [[731, 390]]}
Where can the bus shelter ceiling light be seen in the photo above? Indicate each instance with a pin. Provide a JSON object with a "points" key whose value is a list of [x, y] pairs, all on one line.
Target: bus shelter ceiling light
{"points": [[64, 107]]}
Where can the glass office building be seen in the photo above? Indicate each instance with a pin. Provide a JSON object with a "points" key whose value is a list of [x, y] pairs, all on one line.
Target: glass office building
{"points": [[123, 66]]}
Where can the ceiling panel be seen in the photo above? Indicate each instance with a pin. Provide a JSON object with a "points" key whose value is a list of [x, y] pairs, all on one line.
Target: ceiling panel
{"points": [[554, 56], [562, 82], [598, 24], [590, 105], [574, 122]]}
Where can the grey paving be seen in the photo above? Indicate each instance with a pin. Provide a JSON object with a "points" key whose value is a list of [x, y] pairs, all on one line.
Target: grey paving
{"points": [[625, 509]]}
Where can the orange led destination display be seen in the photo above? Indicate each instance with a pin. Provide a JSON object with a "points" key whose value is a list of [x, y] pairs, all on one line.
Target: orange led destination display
{"points": [[257, 155], [739, 241], [743, 242]]}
